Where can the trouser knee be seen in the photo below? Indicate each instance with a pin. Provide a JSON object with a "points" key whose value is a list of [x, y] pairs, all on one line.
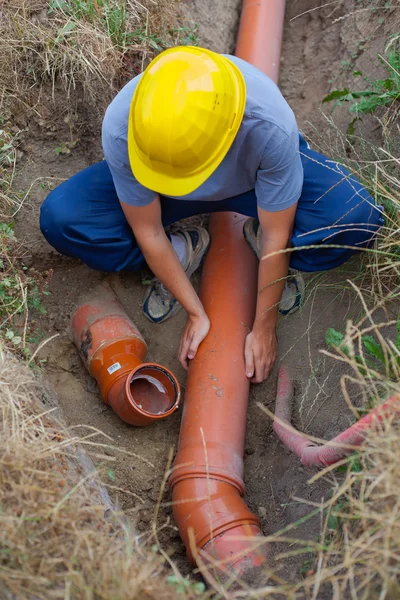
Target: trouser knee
{"points": [[54, 218]]}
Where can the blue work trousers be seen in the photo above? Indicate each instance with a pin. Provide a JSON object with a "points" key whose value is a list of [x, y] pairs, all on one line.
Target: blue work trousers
{"points": [[83, 218]]}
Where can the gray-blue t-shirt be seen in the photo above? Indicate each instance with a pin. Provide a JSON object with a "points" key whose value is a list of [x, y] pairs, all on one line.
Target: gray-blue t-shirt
{"points": [[264, 155]]}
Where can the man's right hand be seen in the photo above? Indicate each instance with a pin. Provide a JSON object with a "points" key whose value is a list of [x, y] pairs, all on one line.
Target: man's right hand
{"points": [[196, 329]]}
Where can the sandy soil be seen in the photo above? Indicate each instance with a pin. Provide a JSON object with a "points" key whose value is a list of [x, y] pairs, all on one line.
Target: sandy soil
{"points": [[315, 45]]}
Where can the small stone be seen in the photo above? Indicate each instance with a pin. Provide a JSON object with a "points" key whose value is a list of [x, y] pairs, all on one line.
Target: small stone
{"points": [[146, 517], [154, 495], [146, 487], [262, 511], [249, 451]]}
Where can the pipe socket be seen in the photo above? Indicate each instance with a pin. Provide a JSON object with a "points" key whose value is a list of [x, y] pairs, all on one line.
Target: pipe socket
{"points": [[114, 352]]}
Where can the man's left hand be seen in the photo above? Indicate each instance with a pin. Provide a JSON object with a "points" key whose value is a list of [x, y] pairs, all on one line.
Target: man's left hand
{"points": [[260, 354]]}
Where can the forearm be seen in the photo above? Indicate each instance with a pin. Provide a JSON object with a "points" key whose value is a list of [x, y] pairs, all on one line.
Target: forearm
{"points": [[164, 263], [272, 273]]}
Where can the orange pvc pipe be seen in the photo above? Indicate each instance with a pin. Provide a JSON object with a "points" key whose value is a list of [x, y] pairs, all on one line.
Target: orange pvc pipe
{"points": [[207, 480], [260, 35], [113, 351]]}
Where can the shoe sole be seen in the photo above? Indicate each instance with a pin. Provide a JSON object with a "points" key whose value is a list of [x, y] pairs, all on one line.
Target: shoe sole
{"points": [[251, 239], [300, 287], [205, 240]]}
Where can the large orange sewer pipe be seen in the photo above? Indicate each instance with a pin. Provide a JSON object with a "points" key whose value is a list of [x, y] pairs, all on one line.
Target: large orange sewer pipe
{"points": [[207, 480]]}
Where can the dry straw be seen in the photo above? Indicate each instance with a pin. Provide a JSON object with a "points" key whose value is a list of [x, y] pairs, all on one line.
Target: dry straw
{"points": [[55, 541], [77, 45]]}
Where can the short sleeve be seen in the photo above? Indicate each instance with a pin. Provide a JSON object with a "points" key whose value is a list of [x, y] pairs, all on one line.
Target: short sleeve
{"points": [[279, 179], [129, 190]]}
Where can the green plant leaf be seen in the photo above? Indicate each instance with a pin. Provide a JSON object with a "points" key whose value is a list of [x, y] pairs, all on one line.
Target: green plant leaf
{"points": [[333, 338], [336, 95], [351, 126], [333, 522], [70, 26], [373, 347], [397, 342], [154, 44], [388, 84], [56, 4]]}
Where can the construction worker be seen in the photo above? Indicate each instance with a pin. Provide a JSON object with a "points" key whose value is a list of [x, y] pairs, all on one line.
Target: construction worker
{"points": [[199, 132]]}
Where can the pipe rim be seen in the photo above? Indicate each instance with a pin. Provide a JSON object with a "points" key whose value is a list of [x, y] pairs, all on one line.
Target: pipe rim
{"points": [[176, 387]]}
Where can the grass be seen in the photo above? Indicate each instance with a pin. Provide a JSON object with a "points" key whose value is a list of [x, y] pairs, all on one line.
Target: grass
{"points": [[378, 168], [379, 93], [357, 554], [82, 46], [54, 535], [55, 541], [21, 289], [76, 48], [8, 158], [360, 554]]}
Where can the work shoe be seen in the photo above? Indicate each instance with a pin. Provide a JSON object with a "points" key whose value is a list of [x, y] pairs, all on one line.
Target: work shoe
{"points": [[294, 285], [159, 304]]}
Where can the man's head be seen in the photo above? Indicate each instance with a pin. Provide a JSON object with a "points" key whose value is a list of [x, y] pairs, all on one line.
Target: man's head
{"points": [[185, 113]]}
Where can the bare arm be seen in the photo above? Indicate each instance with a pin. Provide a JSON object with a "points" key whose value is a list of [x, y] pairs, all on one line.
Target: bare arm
{"points": [[260, 347], [146, 225]]}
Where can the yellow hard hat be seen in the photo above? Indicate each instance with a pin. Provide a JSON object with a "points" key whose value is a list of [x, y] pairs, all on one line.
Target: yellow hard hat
{"points": [[184, 116]]}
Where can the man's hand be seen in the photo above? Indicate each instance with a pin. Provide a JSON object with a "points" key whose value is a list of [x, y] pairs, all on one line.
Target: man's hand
{"points": [[196, 329], [260, 354], [260, 346]]}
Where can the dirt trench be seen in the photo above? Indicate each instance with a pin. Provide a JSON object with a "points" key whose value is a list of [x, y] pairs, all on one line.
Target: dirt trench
{"points": [[316, 46]]}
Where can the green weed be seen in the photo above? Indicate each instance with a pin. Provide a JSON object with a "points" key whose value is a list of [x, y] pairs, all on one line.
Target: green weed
{"points": [[183, 584], [21, 289], [8, 143], [113, 17], [379, 92], [66, 147], [187, 36], [375, 355]]}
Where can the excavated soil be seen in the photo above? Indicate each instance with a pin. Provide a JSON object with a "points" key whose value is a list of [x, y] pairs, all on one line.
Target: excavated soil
{"points": [[320, 48]]}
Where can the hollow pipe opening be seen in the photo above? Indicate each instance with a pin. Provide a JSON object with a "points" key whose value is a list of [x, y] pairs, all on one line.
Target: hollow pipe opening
{"points": [[153, 391]]}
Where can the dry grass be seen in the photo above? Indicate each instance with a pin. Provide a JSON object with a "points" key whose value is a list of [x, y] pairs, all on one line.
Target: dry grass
{"points": [[358, 555], [378, 168], [78, 44], [55, 541], [21, 289]]}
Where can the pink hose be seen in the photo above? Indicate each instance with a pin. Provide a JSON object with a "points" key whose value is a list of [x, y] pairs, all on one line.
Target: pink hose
{"points": [[337, 448]]}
